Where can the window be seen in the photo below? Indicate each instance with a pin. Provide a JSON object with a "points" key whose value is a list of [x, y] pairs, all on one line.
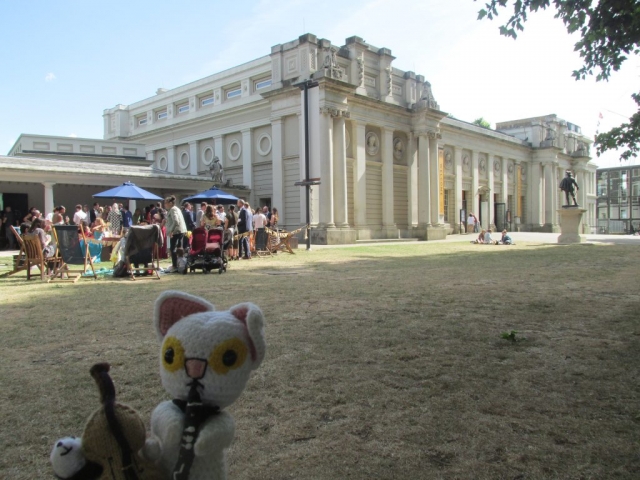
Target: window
{"points": [[183, 108], [262, 83], [142, 121], [162, 115], [207, 101], [236, 92]]}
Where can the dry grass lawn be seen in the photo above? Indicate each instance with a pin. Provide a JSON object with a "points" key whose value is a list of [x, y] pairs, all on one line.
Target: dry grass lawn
{"points": [[382, 362]]}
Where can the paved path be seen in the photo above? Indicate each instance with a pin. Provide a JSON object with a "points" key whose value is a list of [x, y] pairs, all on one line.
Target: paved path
{"points": [[529, 237]]}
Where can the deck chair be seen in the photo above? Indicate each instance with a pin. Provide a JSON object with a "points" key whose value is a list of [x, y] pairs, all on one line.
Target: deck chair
{"points": [[73, 251], [35, 256], [143, 242], [20, 260]]}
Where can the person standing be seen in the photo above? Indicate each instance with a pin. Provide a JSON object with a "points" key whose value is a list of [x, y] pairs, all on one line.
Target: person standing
{"points": [[471, 223], [176, 228], [259, 222], [9, 220], [187, 213], [94, 213], [244, 226], [114, 219], [232, 225], [222, 216], [200, 213], [127, 219], [273, 219], [79, 216]]}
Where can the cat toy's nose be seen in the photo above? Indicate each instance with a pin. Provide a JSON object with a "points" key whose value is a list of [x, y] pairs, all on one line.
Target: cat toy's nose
{"points": [[196, 368]]}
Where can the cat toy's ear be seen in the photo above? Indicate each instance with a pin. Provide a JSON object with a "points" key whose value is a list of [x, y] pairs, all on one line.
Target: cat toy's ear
{"points": [[172, 306], [253, 320]]}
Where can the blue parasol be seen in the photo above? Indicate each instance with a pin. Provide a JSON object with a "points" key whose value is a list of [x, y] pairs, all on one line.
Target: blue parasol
{"points": [[128, 191], [214, 193]]}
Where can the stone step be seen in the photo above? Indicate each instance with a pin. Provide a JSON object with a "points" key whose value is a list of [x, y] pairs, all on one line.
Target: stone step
{"points": [[387, 240]]}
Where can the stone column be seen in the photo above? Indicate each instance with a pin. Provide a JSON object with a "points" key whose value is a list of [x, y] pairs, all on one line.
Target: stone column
{"points": [[387, 177], [475, 185], [48, 197], [326, 168], [505, 182], [132, 206], [535, 193], [548, 194], [301, 166], [360, 177], [457, 170], [424, 189], [193, 158], [171, 159], [247, 164], [490, 195], [277, 195], [436, 217], [340, 172], [555, 219], [412, 180], [582, 193]]}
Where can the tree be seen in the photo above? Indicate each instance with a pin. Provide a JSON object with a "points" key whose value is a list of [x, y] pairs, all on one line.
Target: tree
{"points": [[609, 33], [481, 122]]}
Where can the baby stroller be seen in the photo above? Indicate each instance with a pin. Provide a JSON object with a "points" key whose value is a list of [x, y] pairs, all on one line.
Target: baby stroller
{"points": [[206, 252]]}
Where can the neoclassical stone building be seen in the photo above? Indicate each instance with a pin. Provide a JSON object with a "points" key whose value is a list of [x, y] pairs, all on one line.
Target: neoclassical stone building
{"points": [[391, 163]]}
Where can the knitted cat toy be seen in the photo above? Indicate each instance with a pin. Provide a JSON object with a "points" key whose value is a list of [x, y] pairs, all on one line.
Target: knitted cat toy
{"points": [[206, 359]]}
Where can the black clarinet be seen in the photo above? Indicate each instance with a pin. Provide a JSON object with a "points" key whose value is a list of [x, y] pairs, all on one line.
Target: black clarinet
{"points": [[195, 414]]}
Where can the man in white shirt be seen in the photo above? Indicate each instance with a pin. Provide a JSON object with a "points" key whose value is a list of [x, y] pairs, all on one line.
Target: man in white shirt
{"points": [[220, 213], [79, 216], [200, 213], [259, 222], [471, 222]]}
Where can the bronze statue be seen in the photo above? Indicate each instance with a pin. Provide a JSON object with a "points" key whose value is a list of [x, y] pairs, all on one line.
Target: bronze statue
{"points": [[567, 186]]}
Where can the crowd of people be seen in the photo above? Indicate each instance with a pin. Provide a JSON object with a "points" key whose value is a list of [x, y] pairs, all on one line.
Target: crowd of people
{"points": [[115, 220]]}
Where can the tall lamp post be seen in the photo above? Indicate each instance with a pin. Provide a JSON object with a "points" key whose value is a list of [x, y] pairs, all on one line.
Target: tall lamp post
{"points": [[307, 182]]}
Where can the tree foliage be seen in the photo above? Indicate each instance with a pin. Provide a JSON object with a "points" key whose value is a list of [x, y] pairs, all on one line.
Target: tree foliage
{"points": [[609, 32], [481, 122]]}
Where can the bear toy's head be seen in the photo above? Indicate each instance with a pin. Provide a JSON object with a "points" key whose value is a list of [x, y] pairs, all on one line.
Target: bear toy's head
{"points": [[67, 458], [217, 350]]}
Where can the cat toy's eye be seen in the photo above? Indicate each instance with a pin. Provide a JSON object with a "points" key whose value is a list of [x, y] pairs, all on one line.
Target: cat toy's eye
{"points": [[172, 354], [229, 355]]}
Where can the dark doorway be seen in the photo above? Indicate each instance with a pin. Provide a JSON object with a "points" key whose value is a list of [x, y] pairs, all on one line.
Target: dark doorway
{"points": [[500, 216], [19, 203]]}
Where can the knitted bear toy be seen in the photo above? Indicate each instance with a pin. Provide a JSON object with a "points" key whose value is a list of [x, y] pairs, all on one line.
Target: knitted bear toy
{"points": [[206, 359], [112, 439]]}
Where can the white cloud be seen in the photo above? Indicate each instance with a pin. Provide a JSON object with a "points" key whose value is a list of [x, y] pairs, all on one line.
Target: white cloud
{"points": [[49, 77], [72, 135]]}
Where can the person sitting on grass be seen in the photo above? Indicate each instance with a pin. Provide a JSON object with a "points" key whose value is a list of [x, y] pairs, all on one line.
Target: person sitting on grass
{"points": [[480, 238], [506, 239], [487, 238]]}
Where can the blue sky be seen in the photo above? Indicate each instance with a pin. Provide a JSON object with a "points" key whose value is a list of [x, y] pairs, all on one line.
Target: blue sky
{"points": [[64, 62]]}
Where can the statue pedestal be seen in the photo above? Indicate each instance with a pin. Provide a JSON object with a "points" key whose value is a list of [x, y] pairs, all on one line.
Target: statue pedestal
{"points": [[570, 220]]}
